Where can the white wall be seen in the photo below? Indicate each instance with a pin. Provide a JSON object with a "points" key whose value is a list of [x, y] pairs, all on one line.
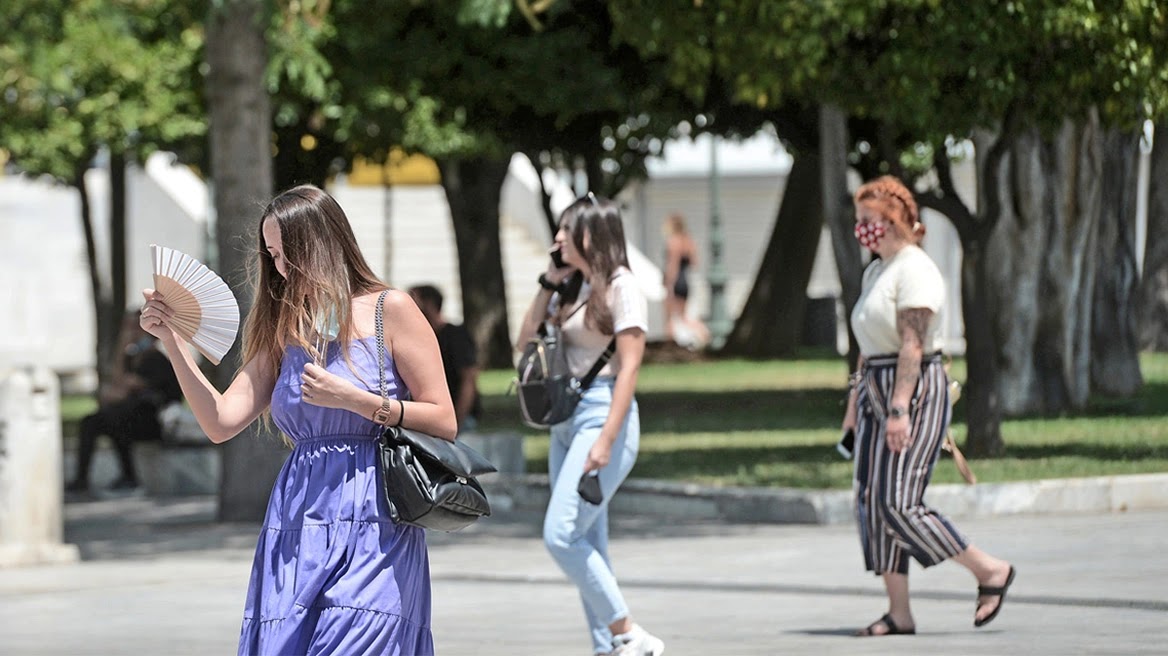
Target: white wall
{"points": [[45, 291], [45, 297]]}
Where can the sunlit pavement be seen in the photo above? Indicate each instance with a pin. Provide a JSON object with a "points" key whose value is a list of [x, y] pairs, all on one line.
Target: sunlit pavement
{"points": [[159, 577]]}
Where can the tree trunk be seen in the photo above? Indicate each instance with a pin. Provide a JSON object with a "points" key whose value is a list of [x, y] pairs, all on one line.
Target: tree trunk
{"points": [[1115, 362], [984, 423], [118, 235], [241, 168], [1063, 321], [771, 322], [473, 188], [1040, 307], [1152, 308], [106, 320], [1045, 307], [983, 408], [840, 215], [1011, 286]]}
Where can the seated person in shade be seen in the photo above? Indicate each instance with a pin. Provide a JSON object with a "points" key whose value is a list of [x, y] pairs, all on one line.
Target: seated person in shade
{"points": [[143, 382], [459, 357]]}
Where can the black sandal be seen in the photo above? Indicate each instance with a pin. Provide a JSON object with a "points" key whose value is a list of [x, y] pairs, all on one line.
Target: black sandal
{"points": [[1000, 593], [893, 629]]}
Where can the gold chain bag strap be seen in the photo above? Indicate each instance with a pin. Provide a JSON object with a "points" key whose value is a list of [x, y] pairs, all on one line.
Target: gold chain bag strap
{"points": [[427, 481]]}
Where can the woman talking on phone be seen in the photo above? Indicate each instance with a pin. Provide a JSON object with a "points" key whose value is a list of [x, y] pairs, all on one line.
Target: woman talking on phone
{"points": [[594, 298]]}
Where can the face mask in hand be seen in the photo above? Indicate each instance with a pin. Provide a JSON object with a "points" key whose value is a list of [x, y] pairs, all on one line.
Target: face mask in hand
{"points": [[870, 234], [327, 330]]}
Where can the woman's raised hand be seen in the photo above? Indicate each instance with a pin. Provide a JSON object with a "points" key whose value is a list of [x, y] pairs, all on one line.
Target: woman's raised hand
{"points": [[156, 316]]}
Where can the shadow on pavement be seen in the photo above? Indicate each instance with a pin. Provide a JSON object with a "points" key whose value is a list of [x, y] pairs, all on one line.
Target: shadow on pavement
{"points": [[136, 527]]}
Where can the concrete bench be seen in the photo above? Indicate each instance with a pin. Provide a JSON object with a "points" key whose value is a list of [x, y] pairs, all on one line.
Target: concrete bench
{"points": [[184, 462], [504, 450]]}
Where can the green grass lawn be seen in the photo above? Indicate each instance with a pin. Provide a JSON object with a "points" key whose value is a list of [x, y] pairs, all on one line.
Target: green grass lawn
{"points": [[775, 423]]}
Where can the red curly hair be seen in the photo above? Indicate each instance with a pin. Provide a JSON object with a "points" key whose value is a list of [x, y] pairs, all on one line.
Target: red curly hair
{"points": [[889, 196]]}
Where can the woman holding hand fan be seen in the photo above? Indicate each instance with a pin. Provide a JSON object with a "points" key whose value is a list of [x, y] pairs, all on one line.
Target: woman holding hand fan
{"points": [[332, 573]]}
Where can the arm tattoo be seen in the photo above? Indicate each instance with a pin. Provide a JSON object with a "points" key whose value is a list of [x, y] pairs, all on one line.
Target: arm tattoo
{"points": [[912, 324]]}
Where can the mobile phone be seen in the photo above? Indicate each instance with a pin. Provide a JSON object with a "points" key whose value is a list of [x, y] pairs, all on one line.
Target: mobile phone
{"points": [[847, 444], [589, 488], [557, 258]]}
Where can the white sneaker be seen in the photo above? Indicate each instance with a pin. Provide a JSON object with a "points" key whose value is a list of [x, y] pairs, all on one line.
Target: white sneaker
{"points": [[637, 642]]}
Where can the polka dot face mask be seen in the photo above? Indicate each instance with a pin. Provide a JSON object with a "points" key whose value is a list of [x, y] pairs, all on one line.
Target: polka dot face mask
{"points": [[869, 234]]}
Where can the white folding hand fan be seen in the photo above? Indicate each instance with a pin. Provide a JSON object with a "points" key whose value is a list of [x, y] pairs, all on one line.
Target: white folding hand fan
{"points": [[205, 311]]}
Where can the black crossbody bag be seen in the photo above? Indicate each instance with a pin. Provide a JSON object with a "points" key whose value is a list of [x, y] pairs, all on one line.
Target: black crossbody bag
{"points": [[548, 392]]}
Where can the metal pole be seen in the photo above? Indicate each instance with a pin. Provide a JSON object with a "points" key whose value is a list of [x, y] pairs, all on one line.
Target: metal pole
{"points": [[720, 324]]}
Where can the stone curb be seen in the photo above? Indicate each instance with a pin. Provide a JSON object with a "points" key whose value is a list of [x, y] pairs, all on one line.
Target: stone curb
{"points": [[672, 501]]}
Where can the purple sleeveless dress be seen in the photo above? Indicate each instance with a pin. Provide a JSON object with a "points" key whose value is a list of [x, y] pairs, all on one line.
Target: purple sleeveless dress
{"points": [[332, 573]]}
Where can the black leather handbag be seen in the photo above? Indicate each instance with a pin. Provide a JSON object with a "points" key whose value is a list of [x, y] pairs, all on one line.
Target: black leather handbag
{"points": [[427, 481]]}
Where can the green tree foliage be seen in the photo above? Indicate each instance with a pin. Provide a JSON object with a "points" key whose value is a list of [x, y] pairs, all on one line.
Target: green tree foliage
{"points": [[1019, 77], [473, 79], [91, 74], [469, 84], [307, 117], [917, 77]]}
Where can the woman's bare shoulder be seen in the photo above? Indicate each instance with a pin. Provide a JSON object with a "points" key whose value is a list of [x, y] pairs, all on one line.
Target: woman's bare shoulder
{"points": [[398, 305], [395, 299]]}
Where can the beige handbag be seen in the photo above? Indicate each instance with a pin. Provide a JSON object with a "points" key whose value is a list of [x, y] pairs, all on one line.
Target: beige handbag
{"points": [[950, 445]]}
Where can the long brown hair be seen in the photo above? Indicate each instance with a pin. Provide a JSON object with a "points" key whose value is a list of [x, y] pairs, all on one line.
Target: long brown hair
{"points": [[325, 272], [600, 219]]}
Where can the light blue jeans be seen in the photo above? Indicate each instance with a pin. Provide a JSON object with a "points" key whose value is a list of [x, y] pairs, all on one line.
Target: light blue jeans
{"points": [[575, 531]]}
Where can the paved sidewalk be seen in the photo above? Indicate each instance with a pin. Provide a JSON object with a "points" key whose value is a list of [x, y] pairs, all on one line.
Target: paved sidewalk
{"points": [[158, 577]]}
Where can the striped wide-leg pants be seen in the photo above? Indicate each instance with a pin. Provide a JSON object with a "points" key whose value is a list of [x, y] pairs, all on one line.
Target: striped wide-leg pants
{"points": [[890, 487]]}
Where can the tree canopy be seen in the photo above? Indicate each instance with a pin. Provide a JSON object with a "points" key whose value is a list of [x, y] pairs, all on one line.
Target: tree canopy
{"points": [[96, 73], [918, 77]]}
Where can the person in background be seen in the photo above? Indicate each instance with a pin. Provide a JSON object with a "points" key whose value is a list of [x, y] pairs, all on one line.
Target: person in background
{"points": [[459, 357], [898, 407], [681, 255], [594, 298], [142, 383], [333, 573]]}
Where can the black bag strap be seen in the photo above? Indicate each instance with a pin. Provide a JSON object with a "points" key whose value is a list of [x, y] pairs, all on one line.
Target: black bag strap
{"points": [[542, 330], [600, 362]]}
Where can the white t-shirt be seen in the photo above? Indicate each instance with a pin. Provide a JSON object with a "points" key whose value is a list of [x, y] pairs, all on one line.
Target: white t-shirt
{"points": [[585, 344], [909, 279]]}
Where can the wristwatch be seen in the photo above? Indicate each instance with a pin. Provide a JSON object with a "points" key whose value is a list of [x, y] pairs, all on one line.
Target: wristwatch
{"points": [[381, 415], [897, 411], [547, 284]]}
